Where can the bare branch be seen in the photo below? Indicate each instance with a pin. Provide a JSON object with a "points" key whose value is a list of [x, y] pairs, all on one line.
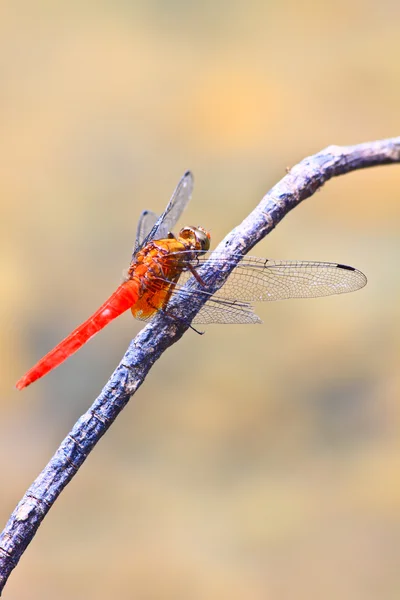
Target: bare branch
{"points": [[300, 183]]}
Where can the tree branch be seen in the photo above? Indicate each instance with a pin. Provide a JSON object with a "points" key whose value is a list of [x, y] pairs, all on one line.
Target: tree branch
{"points": [[300, 183]]}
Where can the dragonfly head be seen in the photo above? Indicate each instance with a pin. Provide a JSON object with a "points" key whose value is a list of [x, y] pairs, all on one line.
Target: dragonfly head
{"points": [[197, 237]]}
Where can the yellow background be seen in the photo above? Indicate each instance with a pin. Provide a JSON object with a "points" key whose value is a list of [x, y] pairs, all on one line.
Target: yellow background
{"points": [[257, 461]]}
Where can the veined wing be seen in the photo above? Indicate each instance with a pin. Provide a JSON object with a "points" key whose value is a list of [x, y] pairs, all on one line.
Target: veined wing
{"points": [[146, 222], [150, 227], [259, 279]]}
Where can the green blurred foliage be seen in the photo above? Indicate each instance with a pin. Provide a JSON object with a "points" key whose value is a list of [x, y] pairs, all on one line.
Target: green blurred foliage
{"points": [[255, 462]]}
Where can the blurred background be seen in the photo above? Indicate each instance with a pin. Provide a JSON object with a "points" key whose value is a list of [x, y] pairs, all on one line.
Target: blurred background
{"points": [[256, 461]]}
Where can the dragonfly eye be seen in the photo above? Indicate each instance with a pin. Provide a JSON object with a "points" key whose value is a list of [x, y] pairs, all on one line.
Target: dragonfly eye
{"points": [[197, 236], [203, 237]]}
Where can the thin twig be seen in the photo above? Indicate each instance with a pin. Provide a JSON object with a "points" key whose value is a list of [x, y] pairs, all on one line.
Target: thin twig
{"points": [[300, 183]]}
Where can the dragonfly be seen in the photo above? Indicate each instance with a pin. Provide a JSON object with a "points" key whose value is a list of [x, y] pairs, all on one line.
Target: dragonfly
{"points": [[162, 263]]}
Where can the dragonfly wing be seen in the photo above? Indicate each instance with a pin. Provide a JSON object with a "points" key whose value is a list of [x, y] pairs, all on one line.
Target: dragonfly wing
{"points": [[224, 313], [146, 222], [217, 311], [259, 279], [165, 223]]}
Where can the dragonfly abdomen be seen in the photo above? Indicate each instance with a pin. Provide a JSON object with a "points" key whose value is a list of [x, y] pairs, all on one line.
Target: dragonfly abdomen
{"points": [[123, 298]]}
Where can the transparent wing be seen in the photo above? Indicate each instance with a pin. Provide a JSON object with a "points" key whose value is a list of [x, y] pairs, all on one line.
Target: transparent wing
{"points": [[146, 222], [226, 313], [216, 310], [165, 223], [259, 279]]}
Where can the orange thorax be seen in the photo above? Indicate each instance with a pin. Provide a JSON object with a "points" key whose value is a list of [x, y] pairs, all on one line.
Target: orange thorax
{"points": [[158, 266]]}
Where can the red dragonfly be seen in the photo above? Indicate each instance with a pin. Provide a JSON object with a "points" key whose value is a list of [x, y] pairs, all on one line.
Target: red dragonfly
{"points": [[161, 263]]}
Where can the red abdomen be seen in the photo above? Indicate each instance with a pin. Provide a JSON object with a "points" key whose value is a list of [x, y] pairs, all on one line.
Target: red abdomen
{"points": [[123, 298]]}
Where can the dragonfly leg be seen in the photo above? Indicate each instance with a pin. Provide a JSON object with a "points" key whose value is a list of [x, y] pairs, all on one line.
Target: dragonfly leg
{"points": [[196, 330], [196, 275]]}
